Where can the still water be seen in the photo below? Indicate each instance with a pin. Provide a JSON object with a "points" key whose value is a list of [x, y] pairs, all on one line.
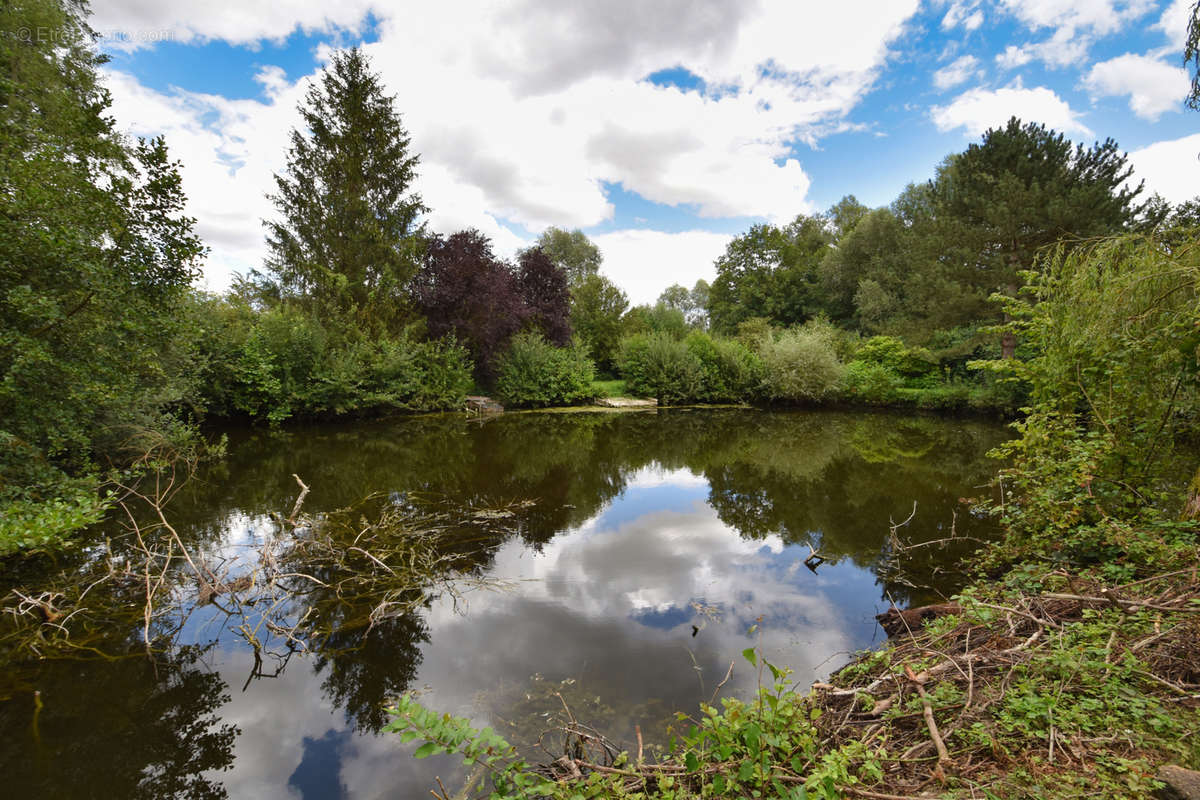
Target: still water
{"points": [[637, 552]]}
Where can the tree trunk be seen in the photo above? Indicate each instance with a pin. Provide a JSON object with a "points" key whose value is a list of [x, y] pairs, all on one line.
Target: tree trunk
{"points": [[1008, 342], [1191, 508]]}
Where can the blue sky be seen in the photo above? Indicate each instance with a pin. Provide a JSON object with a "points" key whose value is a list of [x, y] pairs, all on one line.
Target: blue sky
{"points": [[661, 129]]}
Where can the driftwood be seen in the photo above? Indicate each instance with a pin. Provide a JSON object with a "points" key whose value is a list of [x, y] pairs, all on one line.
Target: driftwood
{"points": [[896, 622]]}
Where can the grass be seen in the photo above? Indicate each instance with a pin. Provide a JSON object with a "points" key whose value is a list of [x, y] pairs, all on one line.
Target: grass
{"points": [[614, 388]]}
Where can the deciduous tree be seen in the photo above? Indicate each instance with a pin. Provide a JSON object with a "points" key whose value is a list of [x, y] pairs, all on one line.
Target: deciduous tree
{"points": [[572, 252], [465, 291]]}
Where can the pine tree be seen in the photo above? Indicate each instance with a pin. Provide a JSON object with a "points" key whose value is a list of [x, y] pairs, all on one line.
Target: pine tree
{"points": [[1021, 189], [348, 240]]}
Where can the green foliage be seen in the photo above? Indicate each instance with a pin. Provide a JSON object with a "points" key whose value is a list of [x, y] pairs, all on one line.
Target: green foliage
{"points": [[536, 373], [801, 366], [658, 318], [769, 272], [729, 371], [692, 304], [283, 363], [754, 331], [872, 383], [892, 354], [95, 259], [616, 388], [443, 733], [659, 365], [596, 309], [572, 252], [1113, 385], [347, 240], [701, 368], [47, 520]]}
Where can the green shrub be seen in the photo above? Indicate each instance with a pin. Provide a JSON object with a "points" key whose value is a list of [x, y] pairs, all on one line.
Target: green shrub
{"points": [[754, 331], [729, 371], [845, 344], [800, 366], [940, 397], [534, 372], [660, 366], [892, 354], [868, 382], [282, 363]]}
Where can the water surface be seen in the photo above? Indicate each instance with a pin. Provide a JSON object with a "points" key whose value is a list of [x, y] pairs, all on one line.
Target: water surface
{"points": [[641, 550]]}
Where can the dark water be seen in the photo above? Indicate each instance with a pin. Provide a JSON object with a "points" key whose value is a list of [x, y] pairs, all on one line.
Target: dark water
{"points": [[643, 548]]}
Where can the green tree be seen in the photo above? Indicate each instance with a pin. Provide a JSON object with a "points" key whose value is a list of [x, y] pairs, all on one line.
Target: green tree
{"points": [[845, 214], [347, 241], [1113, 388], [96, 258], [690, 303], [698, 317], [596, 309], [769, 272], [571, 251], [1022, 188]]}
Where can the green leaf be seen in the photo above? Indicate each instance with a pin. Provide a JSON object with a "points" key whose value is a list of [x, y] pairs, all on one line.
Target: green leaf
{"points": [[750, 656], [426, 750], [691, 762]]}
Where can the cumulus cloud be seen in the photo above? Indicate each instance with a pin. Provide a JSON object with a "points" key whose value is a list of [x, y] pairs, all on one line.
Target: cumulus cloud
{"points": [[1013, 57], [979, 109], [644, 262], [141, 23], [1076, 24], [1101, 17], [1153, 86], [1170, 167], [522, 114], [1174, 22], [959, 71]]}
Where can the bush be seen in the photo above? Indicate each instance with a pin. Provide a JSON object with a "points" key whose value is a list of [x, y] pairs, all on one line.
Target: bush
{"points": [[729, 371], [282, 363], [534, 372], [892, 354], [800, 366], [871, 383], [660, 366]]}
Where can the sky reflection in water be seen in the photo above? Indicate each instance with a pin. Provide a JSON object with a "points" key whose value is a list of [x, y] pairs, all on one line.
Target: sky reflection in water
{"points": [[656, 542]]}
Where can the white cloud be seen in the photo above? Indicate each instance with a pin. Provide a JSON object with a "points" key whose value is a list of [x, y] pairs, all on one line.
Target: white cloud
{"points": [[963, 13], [1013, 57], [1076, 23], [1153, 86], [979, 109], [1171, 168], [1066, 48], [644, 262], [134, 23], [1174, 23], [1101, 17], [524, 117], [955, 73]]}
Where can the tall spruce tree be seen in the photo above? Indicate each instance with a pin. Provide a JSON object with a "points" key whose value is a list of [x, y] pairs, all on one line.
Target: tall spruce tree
{"points": [[347, 241]]}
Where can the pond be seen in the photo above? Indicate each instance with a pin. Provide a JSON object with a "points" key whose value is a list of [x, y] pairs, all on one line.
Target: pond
{"points": [[616, 564]]}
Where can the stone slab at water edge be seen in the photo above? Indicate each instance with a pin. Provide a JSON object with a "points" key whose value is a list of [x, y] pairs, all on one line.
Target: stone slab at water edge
{"points": [[627, 402]]}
